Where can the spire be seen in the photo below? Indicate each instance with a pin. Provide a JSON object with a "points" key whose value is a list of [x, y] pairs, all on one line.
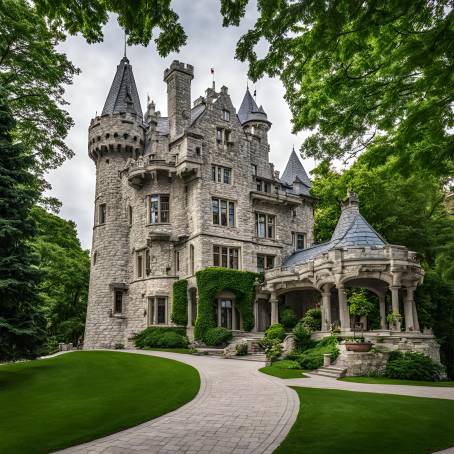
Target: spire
{"points": [[294, 170], [249, 111], [123, 96]]}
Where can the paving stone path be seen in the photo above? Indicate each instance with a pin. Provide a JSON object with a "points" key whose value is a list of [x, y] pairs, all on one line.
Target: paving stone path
{"points": [[238, 410]]}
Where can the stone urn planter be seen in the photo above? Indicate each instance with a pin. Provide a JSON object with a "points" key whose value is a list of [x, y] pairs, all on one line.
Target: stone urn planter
{"points": [[358, 347]]}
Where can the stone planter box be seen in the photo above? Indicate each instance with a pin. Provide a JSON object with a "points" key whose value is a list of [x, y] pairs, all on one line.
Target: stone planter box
{"points": [[360, 347]]}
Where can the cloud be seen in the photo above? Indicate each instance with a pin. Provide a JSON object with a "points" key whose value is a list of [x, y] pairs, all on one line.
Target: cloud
{"points": [[209, 45]]}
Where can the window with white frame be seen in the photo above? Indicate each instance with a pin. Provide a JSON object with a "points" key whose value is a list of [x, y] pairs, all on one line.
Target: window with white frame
{"points": [[225, 256], [265, 225], [159, 209], [263, 186], [221, 174], [264, 262], [223, 212], [299, 240]]}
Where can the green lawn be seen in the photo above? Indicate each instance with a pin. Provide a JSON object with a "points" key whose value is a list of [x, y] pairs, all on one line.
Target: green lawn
{"points": [[394, 381], [73, 398], [333, 421], [280, 369]]}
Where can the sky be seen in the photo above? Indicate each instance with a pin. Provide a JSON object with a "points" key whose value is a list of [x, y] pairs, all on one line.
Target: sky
{"points": [[209, 45]]}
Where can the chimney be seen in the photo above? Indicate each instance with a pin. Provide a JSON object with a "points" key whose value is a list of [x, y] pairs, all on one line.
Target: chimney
{"points": [[351, 201], [178, 78]]}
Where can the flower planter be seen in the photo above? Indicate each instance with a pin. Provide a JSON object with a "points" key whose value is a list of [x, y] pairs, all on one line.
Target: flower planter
{"points": [[359, 347]]}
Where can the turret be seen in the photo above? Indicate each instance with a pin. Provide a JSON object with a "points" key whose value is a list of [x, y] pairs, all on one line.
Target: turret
{"points": [[114, 137], [253, 118], [178, 79], [295, 176]]}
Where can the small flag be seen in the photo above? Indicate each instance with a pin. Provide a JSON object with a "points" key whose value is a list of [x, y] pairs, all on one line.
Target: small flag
{"points": [[212, 70]]}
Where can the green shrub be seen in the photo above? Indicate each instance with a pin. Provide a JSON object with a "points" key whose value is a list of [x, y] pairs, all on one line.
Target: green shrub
{"points": [[313, 357], [241, 349], [302, 335], [180, 302], [214, 280], [312, 319], [273, 348], [412, 366], [275, 331], [288, 317], [215, 337], [156, 337]]}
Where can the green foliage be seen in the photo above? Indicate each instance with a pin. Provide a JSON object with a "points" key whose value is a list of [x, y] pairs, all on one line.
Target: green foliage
{"points": [[302, 335], [283, 368], [22, 325], [165, 337], [275, 331], [210, 282], [312, 319], [139, 20], [241, 349], [65, 271], [287, 317], [180, 302], [412, 366], [312, 358], [375, 74], [358, 304], [33, 76], [218, 336]]}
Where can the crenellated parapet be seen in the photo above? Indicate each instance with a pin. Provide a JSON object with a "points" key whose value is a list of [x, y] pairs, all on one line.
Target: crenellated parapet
{"points": [[117, 132]]}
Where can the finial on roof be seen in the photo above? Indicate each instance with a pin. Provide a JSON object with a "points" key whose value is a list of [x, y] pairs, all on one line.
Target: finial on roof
{"points": [[351, 201], [124, 55]]}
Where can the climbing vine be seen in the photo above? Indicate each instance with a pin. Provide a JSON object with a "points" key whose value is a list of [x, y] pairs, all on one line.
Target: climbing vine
{"points": [[214, 280], [180, 302]]}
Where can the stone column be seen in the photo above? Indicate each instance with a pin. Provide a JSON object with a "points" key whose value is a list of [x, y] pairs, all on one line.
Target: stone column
{"points": [[274, 310], [415, 317], [382, 303], [256, 316], [343, 308], [326, 311], [408, 309], [155, 311], [395, 304]]}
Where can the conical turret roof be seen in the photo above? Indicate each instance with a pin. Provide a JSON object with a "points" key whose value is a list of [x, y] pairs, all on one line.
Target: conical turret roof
{"points": [[249, 111], [352, 230], [123, 96], [293, 170]]}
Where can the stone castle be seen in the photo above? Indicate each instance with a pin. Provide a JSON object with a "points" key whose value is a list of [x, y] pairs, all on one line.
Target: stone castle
{"points": [[180, 193], [195, 189]]}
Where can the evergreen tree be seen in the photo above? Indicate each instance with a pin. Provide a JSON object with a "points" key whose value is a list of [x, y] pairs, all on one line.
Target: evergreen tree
{"points": [[22, 323]]}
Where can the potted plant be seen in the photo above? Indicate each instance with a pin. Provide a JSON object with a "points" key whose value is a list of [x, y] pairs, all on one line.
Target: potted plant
{"points": [[394, 319], [358, 306]]}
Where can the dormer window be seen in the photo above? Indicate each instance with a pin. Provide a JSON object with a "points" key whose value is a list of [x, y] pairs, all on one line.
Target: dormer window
{"points": [[226, 115]]}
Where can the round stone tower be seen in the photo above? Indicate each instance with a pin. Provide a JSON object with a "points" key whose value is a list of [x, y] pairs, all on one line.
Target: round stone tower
{"points": [[114, 137]]}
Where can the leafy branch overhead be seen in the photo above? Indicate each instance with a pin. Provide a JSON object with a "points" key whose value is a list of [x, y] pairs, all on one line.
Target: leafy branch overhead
{"points": [[374, 74]]}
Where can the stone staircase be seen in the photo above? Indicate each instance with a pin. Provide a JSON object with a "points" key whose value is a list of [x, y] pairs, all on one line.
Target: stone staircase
{"points": [[331, 371]]}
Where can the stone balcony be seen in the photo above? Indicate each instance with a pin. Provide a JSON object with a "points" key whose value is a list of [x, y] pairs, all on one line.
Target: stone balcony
{"points": [[276, 197]]}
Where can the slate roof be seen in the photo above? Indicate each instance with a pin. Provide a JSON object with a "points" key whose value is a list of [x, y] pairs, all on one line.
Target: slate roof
{"points": [[294, 169], [249, 111], [163, 122], [123, 95], [352, 230]]}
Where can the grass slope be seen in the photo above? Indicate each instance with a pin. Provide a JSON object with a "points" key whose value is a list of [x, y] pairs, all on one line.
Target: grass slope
{"points": [[55, 403], [394, 381], [332, 421], [280, 369]]}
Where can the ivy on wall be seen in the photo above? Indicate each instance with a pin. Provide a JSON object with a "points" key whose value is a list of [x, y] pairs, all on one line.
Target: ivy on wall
{"points": [[214, 280], [180, 302]]}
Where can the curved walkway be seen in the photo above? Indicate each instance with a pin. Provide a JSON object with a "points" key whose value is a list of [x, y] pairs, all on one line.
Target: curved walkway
{"points": [[238, 410]]}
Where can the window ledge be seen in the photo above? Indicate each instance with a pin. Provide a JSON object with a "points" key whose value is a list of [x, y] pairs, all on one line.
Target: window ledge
{"points": [[119, 316]]}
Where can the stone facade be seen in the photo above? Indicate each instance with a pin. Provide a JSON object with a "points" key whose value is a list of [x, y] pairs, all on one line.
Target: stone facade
{"points": [[158, 180]]}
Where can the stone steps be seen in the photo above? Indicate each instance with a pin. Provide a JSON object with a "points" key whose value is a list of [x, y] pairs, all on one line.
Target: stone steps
{"points": [[259, 357], [330, 371]]}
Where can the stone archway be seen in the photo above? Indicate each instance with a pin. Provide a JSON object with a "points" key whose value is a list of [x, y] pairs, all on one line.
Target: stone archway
{"points": [[300, 300]]}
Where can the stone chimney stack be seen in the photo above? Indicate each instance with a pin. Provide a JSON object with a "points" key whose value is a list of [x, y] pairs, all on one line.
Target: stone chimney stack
{"points": [[351, 201], [178, 78]]}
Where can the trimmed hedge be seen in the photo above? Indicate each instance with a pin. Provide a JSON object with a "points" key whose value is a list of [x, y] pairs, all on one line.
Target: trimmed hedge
{"points": [[180, 302], [215, 337], [214, 280], [412, 366], [161, 338]]}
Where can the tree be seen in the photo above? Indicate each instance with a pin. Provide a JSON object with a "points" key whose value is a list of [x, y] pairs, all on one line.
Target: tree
{"points": [[359, 305], [374, 74], [32, 79], [138, 18], [66, 268], [21, 319]]}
